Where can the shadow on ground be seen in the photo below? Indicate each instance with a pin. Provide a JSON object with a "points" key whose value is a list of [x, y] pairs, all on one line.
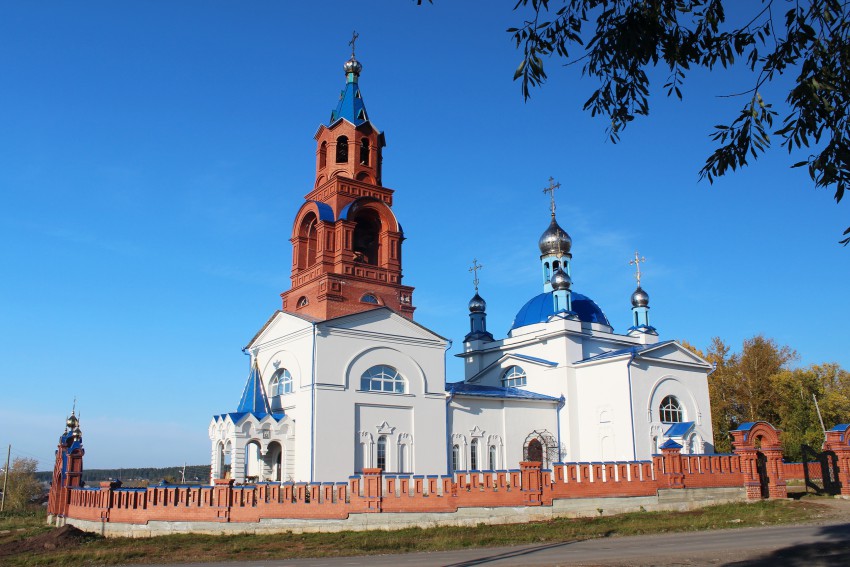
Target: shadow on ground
{"points": [[833, 551]]}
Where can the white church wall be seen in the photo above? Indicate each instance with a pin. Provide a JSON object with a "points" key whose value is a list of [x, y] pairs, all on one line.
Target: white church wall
{"points": [[602, 416], [653, 382], [504, 423]]}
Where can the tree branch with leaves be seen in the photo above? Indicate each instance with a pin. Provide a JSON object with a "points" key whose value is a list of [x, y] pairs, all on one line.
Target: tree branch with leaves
{"points": [[618, 41]]}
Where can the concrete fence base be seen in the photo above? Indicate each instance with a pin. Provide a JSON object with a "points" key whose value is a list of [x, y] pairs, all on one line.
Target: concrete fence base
{"points": [[664, 500]]}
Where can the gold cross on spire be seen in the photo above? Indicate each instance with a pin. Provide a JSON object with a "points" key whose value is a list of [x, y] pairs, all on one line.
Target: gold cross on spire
{"points": [[354, 36], [474, 269], [551, 191], [636, 263]]}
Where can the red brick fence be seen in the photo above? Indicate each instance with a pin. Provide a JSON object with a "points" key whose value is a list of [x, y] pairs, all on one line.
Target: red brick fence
{"points": [[755, 465]]}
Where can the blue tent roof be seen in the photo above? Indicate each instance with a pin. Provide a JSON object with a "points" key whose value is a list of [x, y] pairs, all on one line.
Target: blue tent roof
{"points": [[464, 389], [539, 308], [351, 106], [254, 395], [670, 444]]}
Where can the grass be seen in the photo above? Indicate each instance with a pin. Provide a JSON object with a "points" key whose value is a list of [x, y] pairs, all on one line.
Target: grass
{"points": [[187, 548]]}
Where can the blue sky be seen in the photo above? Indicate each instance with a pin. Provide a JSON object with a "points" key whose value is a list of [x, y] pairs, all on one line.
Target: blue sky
{"points": [[153, 155]]}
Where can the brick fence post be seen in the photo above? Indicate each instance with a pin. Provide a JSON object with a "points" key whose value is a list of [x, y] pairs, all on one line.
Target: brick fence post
{"points": [[223, 498], [373, 490], [106, 488], [532, 485], [672, 458]]}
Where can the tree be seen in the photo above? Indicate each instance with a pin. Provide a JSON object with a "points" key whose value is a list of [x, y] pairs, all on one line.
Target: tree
{"points": [[721, 391], [22, 487], [618, 41]]}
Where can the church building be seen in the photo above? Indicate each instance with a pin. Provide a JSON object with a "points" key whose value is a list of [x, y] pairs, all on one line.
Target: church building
{"points": [[342, 378]]}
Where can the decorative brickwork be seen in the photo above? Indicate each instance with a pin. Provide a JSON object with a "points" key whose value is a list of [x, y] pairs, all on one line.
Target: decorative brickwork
{"points": [[346, 241], [838, 441], [760, 448]]}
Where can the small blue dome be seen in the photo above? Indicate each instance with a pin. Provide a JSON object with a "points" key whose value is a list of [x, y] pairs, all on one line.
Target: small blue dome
{"points": [[539, 308]]}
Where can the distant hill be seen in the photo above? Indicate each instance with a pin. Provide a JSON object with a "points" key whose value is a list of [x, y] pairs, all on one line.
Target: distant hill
{"points": [[194, 474]]}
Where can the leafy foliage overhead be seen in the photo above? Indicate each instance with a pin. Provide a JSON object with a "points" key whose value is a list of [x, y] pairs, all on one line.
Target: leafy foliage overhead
{"points": [[630, 36], [618, 41]]}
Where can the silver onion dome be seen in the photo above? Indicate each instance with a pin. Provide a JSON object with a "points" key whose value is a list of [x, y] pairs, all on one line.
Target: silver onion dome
{"points": [[77, 433], [555, 240], [477, 304], [352, 66], [560, 280], [640, 298], [72, 422]]}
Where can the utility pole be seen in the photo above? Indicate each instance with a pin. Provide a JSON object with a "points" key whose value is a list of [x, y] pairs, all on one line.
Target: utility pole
{"points": [[6, 478], [817, 407]]}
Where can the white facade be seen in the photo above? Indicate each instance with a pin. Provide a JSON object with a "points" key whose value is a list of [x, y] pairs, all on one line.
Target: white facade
{"points": [[588, 395]]}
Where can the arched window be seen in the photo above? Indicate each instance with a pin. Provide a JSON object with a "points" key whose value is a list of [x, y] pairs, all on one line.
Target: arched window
{"points": [[342, 149], [281, 382], [492, 462], [455, 457], [364, 151], [369, 298], [382, 452], [473, 455], [302, 301], [546, 277], [671, 410], [383, 378], [514, 376], [323, 155]]}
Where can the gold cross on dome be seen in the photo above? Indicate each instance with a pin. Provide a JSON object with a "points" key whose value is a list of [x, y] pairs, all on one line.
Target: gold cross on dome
{"points": [[474, 269], [551, 190], [354, 36], [636, 263]]}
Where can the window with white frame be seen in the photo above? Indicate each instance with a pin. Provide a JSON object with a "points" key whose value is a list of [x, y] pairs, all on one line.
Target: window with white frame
{"points": [[514, 376], [671, 410], [281, 382], [493, 458], [473, 455], [455, 457], [383, 378]]}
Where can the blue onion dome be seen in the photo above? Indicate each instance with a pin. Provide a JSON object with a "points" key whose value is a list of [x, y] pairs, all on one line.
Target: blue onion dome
{"points": [[555, 240], [640, 298], [477, 304], [352, 66], [560, 280]]}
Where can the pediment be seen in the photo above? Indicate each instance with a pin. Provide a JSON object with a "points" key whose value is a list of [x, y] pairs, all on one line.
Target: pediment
{"points": [[279, 325], [381, 322], [512, 358], [673, 352]]}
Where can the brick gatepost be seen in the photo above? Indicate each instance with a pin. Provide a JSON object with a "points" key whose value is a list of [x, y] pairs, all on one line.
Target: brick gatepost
{"points": [[747, 441], [838, 441]]}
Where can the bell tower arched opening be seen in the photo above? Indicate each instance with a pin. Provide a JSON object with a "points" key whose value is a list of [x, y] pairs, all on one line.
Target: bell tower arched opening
{"points": [[308, 241], [342, 149], [367, 234]]}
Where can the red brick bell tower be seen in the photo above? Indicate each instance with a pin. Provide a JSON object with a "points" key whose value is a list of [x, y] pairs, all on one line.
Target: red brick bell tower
{"points": [[346, 241]]}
